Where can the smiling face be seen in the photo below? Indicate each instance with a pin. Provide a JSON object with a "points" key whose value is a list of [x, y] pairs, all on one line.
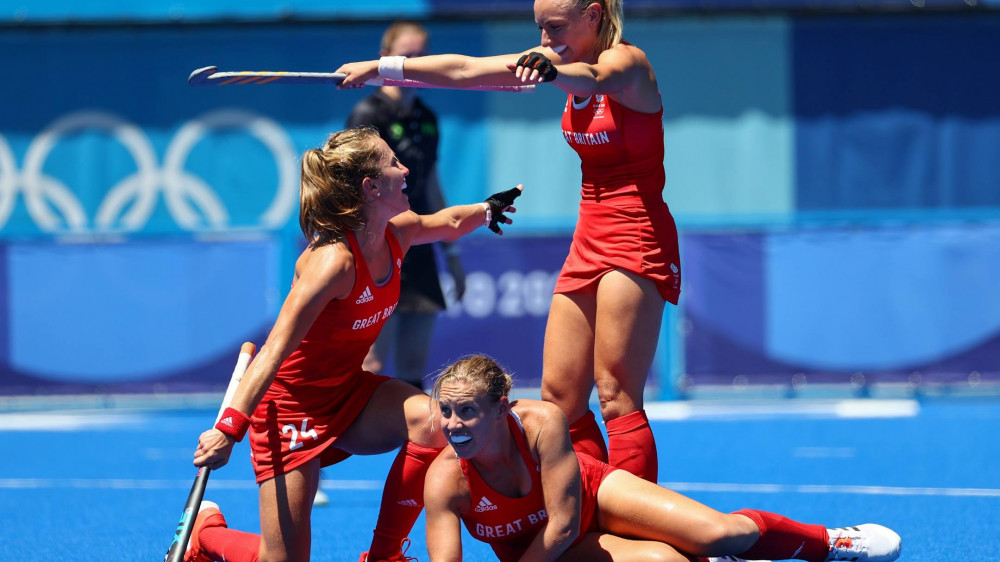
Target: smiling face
{"points": [[469, 417], [388, 189], [567, 30]]}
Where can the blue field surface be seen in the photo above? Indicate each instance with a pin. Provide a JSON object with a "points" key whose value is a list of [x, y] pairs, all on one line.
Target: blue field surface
{"points": [[109, 484]]}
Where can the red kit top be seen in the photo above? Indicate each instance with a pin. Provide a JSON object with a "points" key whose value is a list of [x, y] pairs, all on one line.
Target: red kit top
{"points": [[509, 524], [621, 150], [335, 346]]}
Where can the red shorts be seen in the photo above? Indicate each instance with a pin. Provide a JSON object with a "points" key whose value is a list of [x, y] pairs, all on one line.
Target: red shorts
{"points": [[633, 233], [293, 425], [592, 474]]}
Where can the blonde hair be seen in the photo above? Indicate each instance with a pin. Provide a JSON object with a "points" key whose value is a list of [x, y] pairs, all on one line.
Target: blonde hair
{"points": [[481, 372], [399, 28], [330, 197], [611, 29]]}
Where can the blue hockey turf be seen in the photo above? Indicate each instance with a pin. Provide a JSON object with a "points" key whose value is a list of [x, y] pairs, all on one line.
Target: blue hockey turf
{"points": [[109, 484]]}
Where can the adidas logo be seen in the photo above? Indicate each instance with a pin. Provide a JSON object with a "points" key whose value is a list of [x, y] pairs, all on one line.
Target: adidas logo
{"points": [[485, 505], [365, 296], [228, 420], [409, 503]]}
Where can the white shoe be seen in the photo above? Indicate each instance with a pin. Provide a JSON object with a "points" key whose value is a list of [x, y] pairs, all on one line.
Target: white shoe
{"points": [[321, 498], [864, 543]]}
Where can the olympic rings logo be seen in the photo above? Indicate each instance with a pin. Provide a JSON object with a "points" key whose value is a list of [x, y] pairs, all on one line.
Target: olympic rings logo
{"points": [[129, 203]]}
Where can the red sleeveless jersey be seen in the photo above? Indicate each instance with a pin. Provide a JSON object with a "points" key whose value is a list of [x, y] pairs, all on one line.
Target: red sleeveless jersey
{"points": [[623, 223], [320, 388], [335, 346], [509, 524], [621, 150]]}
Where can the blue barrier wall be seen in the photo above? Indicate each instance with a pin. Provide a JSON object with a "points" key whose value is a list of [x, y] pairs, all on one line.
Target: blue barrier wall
{"points": [[825, 304], [135, 209], [55, 11]]}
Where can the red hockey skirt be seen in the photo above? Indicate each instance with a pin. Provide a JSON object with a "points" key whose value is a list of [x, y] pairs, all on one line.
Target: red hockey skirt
{"points": [[634, 233]]}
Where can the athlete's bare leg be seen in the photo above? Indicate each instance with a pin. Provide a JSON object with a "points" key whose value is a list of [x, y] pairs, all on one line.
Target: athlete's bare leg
{"points": [[568, 357], [396, 413], [285, 511], [633, 507], [629, 313], [602, 547]]}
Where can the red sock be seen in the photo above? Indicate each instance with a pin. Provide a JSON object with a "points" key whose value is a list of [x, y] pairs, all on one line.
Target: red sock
{"points": [[231, 545], [631, 446], [587, 438], [402, 499], [784, 539]]}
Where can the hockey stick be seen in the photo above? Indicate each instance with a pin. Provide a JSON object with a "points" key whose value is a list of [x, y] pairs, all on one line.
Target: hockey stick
{"points": [[186, 524], [210, 76]]}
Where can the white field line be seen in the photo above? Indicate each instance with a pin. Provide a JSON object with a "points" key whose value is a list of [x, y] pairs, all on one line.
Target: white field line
{"points": [[706, 410], [145, 484], [830, 489], [46, 421], [703, 410]]}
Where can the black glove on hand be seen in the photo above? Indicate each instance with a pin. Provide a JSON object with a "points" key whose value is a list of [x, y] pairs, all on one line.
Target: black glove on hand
{"points": [[537, 61], [499, 203]]}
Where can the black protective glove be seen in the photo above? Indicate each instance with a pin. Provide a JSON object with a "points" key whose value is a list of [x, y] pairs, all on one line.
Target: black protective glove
{"points": [[499, 203], [537, 61]]}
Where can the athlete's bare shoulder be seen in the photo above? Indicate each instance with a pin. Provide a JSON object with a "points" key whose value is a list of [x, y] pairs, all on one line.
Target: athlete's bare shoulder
{"points": [[402, 226], [536, 414], [445, 482], [545, 427], [639, 88], [330, 264]]}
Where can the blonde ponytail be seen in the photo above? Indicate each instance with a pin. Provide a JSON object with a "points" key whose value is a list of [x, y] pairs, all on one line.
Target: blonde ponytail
{"points": [[611, 29], [330, 197]]}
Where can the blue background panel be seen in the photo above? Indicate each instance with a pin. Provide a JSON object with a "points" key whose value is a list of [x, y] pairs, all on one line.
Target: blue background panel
{"points": [[896, 112], [21, 11], [828, 303], [107, 315], [882, 299]]}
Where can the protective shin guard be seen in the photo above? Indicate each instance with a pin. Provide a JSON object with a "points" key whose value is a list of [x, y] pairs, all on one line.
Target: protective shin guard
{"points": [[402, 499], [784, 539], [631, 446], [587, 437], [231, 545]]}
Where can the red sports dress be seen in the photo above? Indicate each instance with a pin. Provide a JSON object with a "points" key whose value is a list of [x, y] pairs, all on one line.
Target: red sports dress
{"points": [[320, 389], [623, 223], [509, 524]]}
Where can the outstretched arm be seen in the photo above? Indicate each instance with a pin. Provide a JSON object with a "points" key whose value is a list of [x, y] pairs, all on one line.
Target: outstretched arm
{"points": [[623, 72], [451, 70], [451, 223]]}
